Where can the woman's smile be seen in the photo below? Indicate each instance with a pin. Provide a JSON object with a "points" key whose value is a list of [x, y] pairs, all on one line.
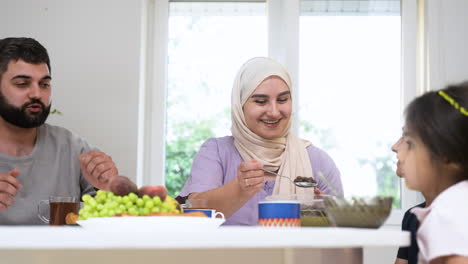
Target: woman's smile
{"points": [[271, 123], [268, 110]]}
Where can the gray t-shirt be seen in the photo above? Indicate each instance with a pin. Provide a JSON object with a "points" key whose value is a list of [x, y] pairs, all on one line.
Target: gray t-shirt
{"points": [[52, 169]]}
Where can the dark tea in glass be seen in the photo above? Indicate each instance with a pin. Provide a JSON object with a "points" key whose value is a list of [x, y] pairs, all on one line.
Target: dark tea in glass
{"points": [[59, 208]]}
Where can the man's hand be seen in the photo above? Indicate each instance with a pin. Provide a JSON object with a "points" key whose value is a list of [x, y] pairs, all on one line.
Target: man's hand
{"points": [[9, 187], [98, 168]]}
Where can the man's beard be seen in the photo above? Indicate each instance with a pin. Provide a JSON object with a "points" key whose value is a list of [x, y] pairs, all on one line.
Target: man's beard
{"points": [[19, 117]]}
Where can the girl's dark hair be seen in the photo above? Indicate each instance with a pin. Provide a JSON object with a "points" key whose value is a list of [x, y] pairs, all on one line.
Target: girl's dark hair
{"points": [[26, 49], [440, 126]]}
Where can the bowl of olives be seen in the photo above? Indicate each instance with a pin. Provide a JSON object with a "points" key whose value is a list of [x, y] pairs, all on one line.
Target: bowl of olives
{"points": [[364, 212]]}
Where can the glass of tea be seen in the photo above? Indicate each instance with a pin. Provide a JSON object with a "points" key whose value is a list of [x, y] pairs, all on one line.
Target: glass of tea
{"points": [[59, 208]]}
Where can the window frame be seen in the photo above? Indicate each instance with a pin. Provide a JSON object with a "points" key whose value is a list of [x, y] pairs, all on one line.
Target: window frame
{"points": [[283, 46]]}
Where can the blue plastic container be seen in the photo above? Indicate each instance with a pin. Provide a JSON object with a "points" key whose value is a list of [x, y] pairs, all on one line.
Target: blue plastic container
{"points": [[279, 213]]}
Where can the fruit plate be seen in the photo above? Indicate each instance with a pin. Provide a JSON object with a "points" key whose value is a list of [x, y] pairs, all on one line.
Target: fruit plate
{"points": [[150, 223]]}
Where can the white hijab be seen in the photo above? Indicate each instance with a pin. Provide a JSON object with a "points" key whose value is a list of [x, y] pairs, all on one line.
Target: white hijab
{"points": [[287, 153]]}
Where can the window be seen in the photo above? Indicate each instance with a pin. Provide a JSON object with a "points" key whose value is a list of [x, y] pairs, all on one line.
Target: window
{"points": [[343, 56], [349, 89], [208, 42]]}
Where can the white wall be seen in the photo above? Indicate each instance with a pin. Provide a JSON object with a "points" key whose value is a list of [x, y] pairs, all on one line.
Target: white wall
{"points": [[94, 48], [447, 41]]}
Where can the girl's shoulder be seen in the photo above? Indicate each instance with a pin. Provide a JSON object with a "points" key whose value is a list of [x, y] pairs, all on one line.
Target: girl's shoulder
{"points": [[447, 203], [450, 198]]}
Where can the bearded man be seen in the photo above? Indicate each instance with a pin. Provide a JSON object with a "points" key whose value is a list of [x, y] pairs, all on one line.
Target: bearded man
{"points": [[38, 160]]}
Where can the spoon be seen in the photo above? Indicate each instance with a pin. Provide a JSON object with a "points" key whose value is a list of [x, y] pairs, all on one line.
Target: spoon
{"points": [[302, 184]]}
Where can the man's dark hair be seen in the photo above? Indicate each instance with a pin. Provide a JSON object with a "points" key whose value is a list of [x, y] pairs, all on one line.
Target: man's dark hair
{"points": [[26, 49], [442, 126]]}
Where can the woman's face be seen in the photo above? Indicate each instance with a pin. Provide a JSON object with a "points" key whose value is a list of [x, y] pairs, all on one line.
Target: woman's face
{"points": [[268, 109], [415, 163]]}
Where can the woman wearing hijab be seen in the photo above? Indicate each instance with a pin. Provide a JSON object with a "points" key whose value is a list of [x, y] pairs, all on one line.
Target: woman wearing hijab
{"points": [[227, 171]]}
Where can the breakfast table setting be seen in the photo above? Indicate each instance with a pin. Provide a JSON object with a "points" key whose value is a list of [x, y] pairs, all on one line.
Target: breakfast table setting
{"points": [[156, 229]]}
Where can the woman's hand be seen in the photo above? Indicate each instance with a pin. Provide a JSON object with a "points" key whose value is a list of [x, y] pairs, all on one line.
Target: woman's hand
{"points": [[230, 197], [250, 176]]}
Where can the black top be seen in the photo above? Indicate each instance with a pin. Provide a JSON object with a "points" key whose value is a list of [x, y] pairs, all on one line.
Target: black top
{"points": [[410, 223]]}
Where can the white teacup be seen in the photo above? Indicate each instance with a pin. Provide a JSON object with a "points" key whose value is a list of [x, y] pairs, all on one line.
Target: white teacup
{"points": [[209, 212]]}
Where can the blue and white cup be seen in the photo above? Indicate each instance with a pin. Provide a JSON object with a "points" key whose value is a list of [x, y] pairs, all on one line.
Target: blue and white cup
{"points": [[209, 212], [279, 213]]}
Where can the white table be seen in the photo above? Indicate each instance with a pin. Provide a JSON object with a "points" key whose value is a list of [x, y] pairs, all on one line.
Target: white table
{"points": [[240, 245]]}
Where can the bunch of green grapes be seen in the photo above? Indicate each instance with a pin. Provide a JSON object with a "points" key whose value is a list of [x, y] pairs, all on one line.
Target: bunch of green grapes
{"points": [[106, 203]]}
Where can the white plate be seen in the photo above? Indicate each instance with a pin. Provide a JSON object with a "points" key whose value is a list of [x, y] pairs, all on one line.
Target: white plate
{"points": [[150, 223]]}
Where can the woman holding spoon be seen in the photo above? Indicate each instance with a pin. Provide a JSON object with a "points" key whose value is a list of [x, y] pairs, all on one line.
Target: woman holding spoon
{"points": [[229, 172]]}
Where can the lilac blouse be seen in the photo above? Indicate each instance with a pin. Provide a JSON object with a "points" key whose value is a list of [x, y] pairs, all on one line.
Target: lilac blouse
{"points": [[216, 164]]}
